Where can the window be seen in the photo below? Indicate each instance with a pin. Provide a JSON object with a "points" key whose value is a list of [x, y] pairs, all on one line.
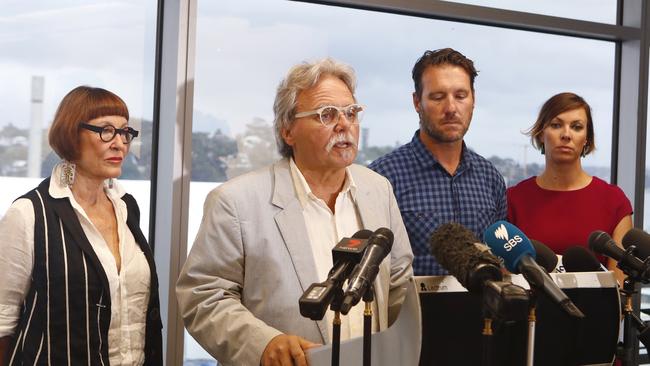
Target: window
{"points": [[602, 11], [48, 49], [244, 48]]}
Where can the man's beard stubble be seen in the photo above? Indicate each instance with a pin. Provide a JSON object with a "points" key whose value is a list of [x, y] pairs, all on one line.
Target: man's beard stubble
{"points": [[436, 134]]}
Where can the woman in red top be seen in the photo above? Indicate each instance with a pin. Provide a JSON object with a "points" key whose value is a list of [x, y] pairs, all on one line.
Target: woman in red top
{"points": [[564, 204]]}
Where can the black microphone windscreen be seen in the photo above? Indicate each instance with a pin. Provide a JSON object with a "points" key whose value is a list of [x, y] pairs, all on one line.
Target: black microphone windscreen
{"points": [[546, 258], [640, 239], [384, 238], [362, 234], [598, 242], [580, 259], [453, 246]]}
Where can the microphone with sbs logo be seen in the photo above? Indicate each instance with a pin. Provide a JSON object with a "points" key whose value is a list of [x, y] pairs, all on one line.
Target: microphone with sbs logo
{"points": [[518, 254], [346, 254]]}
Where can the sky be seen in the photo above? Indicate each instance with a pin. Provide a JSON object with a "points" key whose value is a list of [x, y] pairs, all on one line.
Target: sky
{"points": [[244, 48], [75, 42], [247, 48]]}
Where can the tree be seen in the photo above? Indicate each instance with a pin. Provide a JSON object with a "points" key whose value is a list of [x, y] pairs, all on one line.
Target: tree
{"points": [[209, 153], [256, 147]]}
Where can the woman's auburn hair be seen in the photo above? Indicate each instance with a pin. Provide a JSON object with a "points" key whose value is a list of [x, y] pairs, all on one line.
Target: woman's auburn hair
{"points": [[80, 105], [556, 105]]}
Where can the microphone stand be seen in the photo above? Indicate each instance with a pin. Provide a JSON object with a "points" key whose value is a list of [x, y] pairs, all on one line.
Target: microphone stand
{"points": [[488, 335], [643, 329], [532, 319], [336, 325], [502, 302], [631, 323], [487, 340], [625, 350], [368, 297]]}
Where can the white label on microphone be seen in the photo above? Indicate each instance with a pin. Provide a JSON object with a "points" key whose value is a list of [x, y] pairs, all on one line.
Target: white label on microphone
{"points": [[438, 284]]}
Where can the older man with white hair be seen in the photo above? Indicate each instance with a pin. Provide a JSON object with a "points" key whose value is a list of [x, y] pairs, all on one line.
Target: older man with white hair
{"points": [[268, 235]]}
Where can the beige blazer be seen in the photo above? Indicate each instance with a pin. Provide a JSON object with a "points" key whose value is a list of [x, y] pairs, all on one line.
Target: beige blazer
{"points": [[251, 261]]}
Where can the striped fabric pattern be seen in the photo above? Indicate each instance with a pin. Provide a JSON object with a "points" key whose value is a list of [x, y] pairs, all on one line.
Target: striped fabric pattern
{"points": [[67, 311], [428, 196], [50, 333]]}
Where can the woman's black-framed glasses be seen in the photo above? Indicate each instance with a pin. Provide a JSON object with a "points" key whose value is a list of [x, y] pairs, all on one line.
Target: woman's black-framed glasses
{"points": [[107, 133]]}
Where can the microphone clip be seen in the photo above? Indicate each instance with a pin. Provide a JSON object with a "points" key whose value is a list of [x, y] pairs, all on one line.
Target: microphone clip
{"points": [[505, 301], [641, 275]]}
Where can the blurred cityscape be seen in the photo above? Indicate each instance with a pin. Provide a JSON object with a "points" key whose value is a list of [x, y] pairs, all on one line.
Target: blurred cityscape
{"points": [[217, 157]]}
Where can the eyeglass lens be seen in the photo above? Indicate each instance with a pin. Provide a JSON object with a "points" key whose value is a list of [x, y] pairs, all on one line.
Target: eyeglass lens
{"points": [[330, 115], [109, 132]]}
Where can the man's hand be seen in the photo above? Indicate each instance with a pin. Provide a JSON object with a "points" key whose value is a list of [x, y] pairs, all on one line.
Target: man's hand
{"points": [[286, 350]]}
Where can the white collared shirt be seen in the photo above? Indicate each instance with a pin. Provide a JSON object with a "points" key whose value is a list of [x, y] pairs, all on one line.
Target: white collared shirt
{"points": [[325, 230], [129, 288]]}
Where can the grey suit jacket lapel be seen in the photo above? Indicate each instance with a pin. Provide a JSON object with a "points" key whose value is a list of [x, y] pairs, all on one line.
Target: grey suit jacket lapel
{"points": [[291, 224]]}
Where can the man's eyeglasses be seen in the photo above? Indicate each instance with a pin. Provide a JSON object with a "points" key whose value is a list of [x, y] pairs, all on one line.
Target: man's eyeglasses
{"points": [[107, 133], [329, 114]]}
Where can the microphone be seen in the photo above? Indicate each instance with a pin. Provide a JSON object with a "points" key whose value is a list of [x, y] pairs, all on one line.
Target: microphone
{"points": [[364, 273], [640, 239], [477, 269], [601, 242], [453, 246], [580, 259], [314, 301], [511, 244], [349, 250], [545, 257], [635, 241]]}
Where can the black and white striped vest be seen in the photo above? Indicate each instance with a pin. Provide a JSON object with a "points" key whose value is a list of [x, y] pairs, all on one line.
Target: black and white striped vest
{"points": [[67, 311]]}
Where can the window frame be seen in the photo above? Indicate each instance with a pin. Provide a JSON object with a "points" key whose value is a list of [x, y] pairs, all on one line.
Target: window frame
{"points": [[173, 101]]}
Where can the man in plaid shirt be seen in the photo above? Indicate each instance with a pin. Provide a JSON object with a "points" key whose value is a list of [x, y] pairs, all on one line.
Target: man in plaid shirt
{"points": [[436, 178]]}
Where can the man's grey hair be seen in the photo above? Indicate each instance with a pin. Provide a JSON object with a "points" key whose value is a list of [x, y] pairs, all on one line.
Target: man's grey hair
{"points": [[301, 77]]}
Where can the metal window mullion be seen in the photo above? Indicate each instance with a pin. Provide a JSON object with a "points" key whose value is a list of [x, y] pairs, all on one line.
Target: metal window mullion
{"points": [[481, 15], [173, 162]]}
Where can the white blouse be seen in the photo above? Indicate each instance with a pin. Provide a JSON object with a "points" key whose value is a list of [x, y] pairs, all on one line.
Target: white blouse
{"points": [[129, 288]]}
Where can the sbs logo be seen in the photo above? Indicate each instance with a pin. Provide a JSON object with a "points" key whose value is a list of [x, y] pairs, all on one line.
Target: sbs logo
{"points": [[501, 232], [512, 242]]}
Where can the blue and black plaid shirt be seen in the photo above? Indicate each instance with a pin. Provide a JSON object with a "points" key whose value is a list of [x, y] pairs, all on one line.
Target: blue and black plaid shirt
{"points": [[428, 196]]}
